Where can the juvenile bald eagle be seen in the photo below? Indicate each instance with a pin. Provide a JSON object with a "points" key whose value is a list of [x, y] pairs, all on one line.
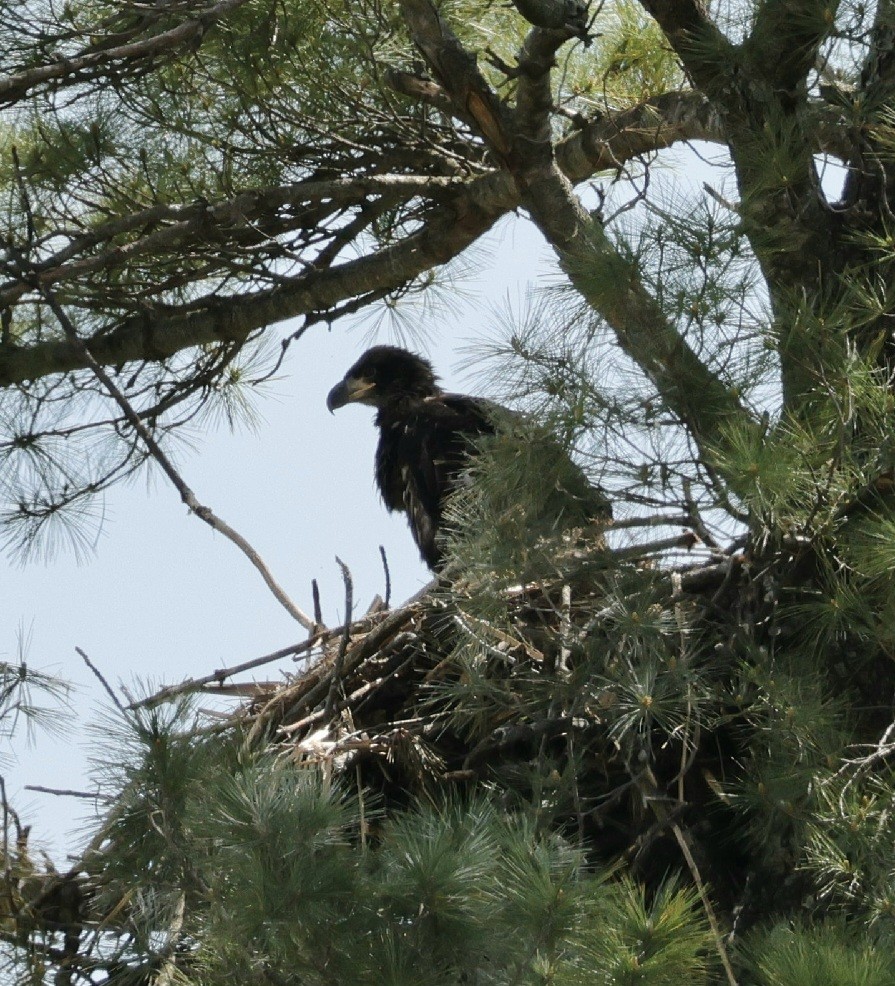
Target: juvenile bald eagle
{"points": [[426, 437]]}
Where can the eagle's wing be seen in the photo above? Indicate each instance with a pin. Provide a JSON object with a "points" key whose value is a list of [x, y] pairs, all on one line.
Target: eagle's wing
{"points": [[433, 453], [423, 457]]}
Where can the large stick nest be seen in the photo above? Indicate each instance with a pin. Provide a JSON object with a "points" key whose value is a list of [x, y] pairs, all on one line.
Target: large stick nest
{"points": [[379, 704], [373, 706]]}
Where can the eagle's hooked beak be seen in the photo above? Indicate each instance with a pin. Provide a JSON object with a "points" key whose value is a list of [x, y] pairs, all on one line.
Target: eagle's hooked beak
{"points": [[348, 391]]}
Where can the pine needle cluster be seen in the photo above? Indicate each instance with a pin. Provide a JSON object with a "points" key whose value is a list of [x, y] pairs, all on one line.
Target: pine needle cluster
{"points": [[262, 868]]}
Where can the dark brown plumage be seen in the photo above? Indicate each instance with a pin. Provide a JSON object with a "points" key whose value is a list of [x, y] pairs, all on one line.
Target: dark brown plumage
{"points": [[425, 437]]}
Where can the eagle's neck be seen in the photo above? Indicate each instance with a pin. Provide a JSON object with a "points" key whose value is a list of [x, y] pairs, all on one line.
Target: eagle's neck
{"points": [[399, 407]]}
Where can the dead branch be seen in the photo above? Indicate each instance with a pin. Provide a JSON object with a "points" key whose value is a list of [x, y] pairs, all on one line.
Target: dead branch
{"points": [[186, 494], [98, 674], [336, 677], [66, 793]]}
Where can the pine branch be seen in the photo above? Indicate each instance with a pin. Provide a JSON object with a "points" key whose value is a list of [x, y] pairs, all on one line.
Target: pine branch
{"points": [[613, 139], [691, 391], [190, 224], [214, 318], [603, 143], [534, 95], [96, 63], [772, 140], [448, 228], [705, 52]]}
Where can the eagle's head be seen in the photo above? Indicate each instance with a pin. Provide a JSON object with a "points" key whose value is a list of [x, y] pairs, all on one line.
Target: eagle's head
{"points": [[383, 376]]}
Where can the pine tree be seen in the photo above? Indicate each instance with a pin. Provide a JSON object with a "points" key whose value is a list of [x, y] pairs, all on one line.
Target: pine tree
{"points": [[653, 753]]}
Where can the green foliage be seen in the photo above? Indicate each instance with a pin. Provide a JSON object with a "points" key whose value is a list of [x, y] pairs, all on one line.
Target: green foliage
{"points": [[716, 706], [282, 884], [848, 848], [285, 875], [30, 699], [116, 174], [799, 956], [797, 731], [523, 499], [659, 943], [633, 63], [152, 759]]}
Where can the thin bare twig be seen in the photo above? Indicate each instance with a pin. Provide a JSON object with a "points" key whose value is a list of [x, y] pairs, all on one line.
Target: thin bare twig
{"points": [[99, 675], [695, 517], [219, 676], [647, 784], [653, 520], [686, 540], [186, 494], [706, 902], [315, 595], [335, 680], [61, 792], [387, 621], [388, 577], [314, 687], [349, 700]]}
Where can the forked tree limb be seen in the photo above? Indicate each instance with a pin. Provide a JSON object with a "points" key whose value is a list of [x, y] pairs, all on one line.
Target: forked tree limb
{"points": [[692, 391], [702, 48], [785, 39]]}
